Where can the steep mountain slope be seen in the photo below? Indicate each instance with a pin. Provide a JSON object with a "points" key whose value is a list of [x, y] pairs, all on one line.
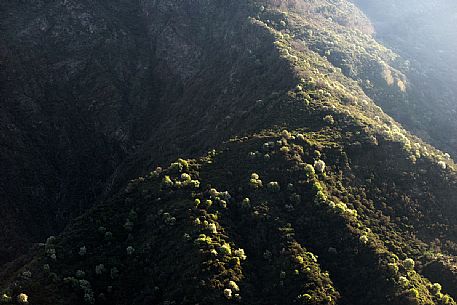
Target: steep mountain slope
{"points": [[425, 34], [318, 198], [94, 92]]}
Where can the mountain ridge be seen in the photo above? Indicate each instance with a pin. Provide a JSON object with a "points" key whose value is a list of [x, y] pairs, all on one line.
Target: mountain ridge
{"points": [[318, 198]]}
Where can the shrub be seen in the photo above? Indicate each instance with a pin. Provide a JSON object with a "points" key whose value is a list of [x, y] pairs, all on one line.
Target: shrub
{"points": [[203, 239], [108, 236], [212, 228], [403, 281], [168, 219], [364, 239], [309, 170], [413, 292], [82, 251], [447, 299], [286, 135], [240, 253], [89, 297], [442, 165], [27, 275], [273, 186], [393, 268], [408, 264], [246, 202], [306, 297], [22, 298], [5, 298], [329, 119], [225, 249], [167, 181], [50, 240], [267, 255], [114, 273], [436, 288], [128, 225], [185, 177], [46, 268], [233, 286], [130, 250], [99, 269], [319, 166], [213, 193], [194, 183], [228, 293], [284, 149], [179, 165], [255, 181], [73, 282]]}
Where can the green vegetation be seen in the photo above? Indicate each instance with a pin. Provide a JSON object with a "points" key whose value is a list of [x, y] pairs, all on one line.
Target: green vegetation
{"points": [[319, 198]]}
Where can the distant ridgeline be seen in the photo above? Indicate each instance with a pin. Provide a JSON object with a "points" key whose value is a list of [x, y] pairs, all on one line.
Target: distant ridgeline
{"points": [[263, 141], [425, 34]]}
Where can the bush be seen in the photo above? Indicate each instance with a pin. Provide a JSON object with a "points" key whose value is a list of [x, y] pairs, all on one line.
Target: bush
{"points": [[228, 293], [442, 165], [225, 249], [403, 281], [167, 181], [319, 166], [286, 135], [246, 202], [393, 268], [240, 253], [5, 298], [413, 292], [329, 119], [309, 170], [130, 250], [114, 273], [22, 298], [185, 177], [364, 239], [273, 186], [212, 228], [408, 264], [233, 286], [255, 181], [436, 288], [99, 269], [82, 251]]}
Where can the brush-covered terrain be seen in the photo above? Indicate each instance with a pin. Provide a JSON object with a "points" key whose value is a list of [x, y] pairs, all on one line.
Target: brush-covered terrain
{"points": [[217, 152]]}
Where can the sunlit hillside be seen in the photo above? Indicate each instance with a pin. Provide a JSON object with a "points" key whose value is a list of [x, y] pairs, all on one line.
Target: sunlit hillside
{"points": [[228, 152]]}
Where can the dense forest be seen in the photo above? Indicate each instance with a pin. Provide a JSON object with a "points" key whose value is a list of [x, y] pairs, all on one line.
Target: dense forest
{"points": [[228, 152]]}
